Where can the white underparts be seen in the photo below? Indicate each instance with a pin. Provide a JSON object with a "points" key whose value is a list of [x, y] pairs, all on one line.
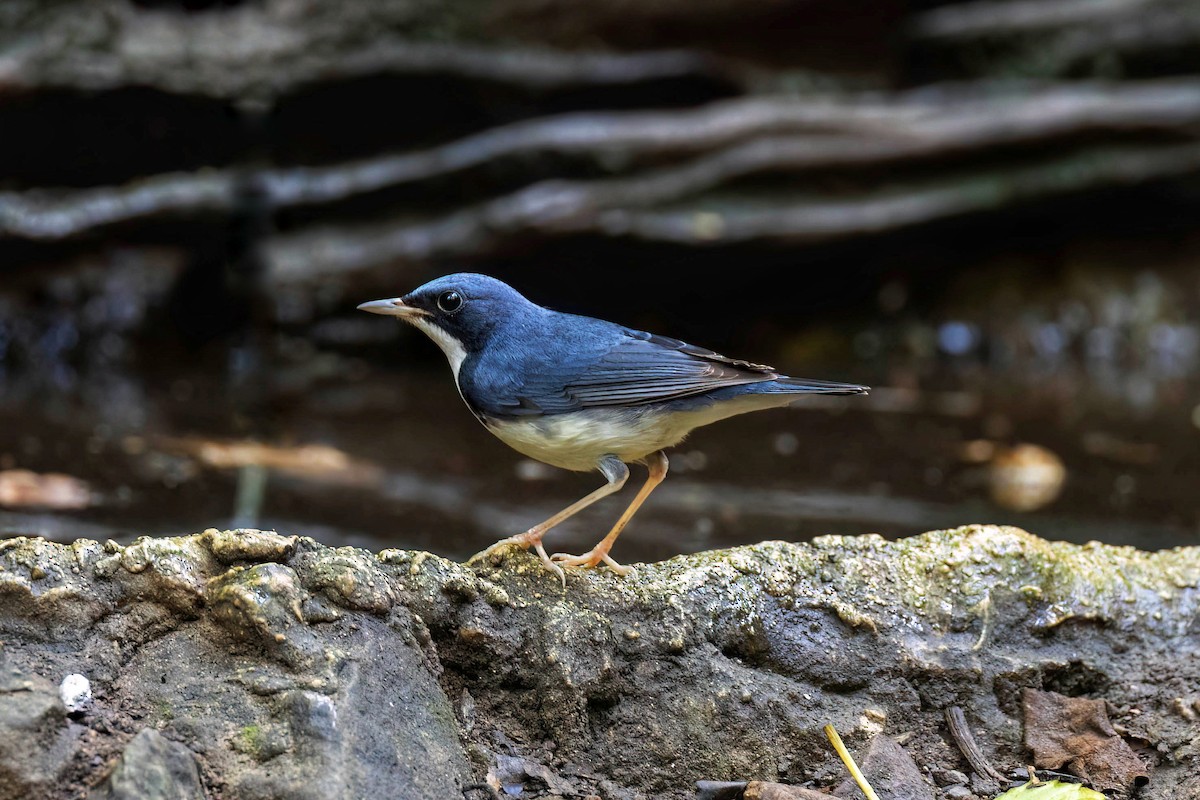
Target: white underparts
{"points": [[579, 439]]}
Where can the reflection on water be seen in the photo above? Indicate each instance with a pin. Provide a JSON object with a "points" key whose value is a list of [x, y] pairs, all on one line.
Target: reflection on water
{"points": [[330, 446]]}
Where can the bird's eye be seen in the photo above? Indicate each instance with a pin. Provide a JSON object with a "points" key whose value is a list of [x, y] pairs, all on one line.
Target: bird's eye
{"points": [[450, 302]]}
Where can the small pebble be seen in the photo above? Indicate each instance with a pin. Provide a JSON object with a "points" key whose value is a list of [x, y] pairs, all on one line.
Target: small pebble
{"points": [[529, 470], [76, 693], [950, 777], [984, 786], [957, 792], [1184, 709], [786, 444]]}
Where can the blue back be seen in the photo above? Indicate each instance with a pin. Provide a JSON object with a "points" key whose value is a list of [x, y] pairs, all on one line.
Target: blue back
{"points": [[525, 360]]}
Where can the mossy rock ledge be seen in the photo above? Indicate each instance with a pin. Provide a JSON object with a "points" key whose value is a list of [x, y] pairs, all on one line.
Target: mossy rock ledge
{"points": [[249, 664]]}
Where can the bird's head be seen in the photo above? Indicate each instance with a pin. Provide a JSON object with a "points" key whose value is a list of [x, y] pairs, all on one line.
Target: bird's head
{"points": [[458, 312]]}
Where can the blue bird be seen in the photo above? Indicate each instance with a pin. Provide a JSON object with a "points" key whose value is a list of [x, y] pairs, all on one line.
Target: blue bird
{"points": [[581, 393]]}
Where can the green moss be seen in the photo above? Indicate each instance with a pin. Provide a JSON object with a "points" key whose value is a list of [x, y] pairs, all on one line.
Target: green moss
{"points": [[244, 544], [250, 740]]}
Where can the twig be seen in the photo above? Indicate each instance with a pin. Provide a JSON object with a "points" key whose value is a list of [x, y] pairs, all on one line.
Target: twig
{"points": [[847, 759], [961, 733]]}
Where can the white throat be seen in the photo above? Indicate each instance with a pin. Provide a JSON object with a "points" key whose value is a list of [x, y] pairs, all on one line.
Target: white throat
{"points": [[450, 346]]}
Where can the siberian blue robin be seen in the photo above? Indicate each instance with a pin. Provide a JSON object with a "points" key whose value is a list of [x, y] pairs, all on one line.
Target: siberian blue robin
{"points": [[581, 393]]}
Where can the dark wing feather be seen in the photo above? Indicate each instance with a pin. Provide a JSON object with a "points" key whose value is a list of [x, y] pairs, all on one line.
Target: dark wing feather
{"points": [[540, 362], [643, 368]]}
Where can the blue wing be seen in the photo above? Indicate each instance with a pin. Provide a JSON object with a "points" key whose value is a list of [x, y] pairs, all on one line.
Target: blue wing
{"points": [[643, 368], [594, 364]]}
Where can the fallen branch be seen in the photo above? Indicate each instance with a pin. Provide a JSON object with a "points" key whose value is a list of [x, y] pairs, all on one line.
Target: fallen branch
{"points": [[1057, 37], [893, 210], [259, 53], [744, 137], [992, 19], [561, 208]]}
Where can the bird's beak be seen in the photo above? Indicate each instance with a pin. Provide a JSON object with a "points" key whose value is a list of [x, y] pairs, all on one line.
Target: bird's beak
{"points": [[393, 307]]}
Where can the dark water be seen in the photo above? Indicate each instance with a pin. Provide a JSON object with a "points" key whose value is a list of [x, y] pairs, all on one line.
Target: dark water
{"points": [[399, 462]]}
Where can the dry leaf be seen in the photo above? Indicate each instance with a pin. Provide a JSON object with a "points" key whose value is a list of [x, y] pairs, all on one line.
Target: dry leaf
{"points": [[316, 461], [511, 774], [20, 488], [1076, 732]]}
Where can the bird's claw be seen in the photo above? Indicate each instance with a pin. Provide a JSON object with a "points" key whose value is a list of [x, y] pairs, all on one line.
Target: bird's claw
{"points": [[522, 541], [496, 553], [591, 558], [550, 565]]}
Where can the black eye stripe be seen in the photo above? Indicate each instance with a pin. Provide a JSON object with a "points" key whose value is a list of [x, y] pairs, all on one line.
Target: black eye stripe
{"points": [[450, 302]]}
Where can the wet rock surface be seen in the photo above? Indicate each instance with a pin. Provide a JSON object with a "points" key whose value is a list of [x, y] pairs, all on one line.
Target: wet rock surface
{"points": [[152, 768], [246, 664]]}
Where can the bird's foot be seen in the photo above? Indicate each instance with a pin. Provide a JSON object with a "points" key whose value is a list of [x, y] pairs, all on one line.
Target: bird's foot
{"points": [[591, 558], [530, 538]]}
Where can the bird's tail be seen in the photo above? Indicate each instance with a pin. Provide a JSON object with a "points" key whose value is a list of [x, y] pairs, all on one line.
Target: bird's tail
{"points": [[806, 386]]}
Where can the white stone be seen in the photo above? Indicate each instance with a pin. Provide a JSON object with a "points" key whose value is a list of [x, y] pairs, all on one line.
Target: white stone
{"points": [[76, 693]]}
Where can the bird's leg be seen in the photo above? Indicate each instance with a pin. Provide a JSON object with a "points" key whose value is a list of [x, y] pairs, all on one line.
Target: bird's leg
{"points": [[612, 468], [656, 464]]}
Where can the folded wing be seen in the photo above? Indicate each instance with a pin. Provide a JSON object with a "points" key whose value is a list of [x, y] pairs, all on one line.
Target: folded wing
{"points": [[638, 369]]}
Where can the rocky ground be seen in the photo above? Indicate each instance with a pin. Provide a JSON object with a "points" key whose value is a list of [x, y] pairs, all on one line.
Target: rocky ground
{"points": [[246, 664]]}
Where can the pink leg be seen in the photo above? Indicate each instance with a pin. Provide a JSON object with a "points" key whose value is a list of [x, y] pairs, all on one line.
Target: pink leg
{"points": [[612, 469], [657, 466]]}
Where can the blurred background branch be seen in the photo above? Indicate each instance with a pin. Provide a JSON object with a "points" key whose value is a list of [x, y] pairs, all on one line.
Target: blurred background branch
{"points": [[402, 131], [726, 141]]}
